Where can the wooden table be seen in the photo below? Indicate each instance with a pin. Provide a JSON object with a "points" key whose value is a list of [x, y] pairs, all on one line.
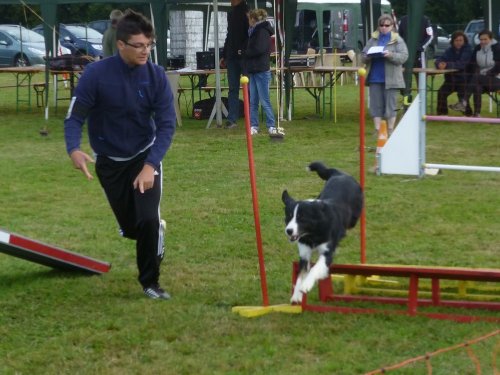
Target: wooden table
{"points": [[329, 78], [72, 75], [432, 72], [23, 75], [195, 76]]}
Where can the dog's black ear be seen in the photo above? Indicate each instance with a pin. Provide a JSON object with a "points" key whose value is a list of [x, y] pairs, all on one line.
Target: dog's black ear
{"points": [[286, 198]]}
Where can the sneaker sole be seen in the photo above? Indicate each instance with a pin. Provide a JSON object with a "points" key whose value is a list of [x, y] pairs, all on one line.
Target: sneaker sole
{"points": [[276, 137]]}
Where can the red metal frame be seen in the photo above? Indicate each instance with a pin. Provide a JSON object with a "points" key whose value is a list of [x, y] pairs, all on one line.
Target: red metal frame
{"points": [[48, 255], [412, 302]]}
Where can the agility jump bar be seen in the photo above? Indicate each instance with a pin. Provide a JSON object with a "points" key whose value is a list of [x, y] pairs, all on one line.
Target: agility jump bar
{"points": [[48, 255], [487, 120]]}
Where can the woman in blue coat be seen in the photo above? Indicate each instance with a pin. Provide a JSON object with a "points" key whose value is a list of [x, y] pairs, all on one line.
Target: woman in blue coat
{"points": [[456, 57]]}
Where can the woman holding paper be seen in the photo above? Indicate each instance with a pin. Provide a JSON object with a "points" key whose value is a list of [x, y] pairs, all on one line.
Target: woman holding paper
{"points": [[384, 55]]}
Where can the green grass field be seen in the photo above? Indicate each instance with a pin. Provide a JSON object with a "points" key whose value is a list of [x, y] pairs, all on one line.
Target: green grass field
{"points": [[53, 322]]}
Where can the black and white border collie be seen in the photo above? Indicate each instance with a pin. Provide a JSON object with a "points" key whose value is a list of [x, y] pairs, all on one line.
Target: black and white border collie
{"points": [[319, 224]]}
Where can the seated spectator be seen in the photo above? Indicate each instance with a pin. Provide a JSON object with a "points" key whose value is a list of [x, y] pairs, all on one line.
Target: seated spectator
{"points": [[455, 57], [485, 68]]}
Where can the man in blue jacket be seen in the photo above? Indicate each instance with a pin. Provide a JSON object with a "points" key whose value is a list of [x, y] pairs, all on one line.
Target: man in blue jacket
{"points": [[129, 108]]}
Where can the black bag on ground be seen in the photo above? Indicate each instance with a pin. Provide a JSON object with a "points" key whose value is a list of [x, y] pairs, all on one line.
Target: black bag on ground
{"points": [[69, 62], [202, 109]]}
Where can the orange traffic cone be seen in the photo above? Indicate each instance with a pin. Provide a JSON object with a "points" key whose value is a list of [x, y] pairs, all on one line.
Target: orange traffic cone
{"points": [[381, 140], [382, 135]]}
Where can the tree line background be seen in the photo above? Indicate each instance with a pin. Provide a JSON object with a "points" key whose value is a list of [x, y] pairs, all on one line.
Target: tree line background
{"points": [[450, 14], [30, 16]]}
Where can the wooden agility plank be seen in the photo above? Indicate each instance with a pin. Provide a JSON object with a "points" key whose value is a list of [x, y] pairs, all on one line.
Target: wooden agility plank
{"points": [[48, 255]]}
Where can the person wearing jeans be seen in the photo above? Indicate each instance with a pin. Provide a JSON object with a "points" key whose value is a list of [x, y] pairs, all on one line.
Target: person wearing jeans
{"points": [[259, 92], [257, 65]]}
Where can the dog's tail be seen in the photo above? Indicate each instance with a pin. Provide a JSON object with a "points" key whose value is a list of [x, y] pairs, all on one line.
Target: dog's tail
{"points": [[322, 170]]}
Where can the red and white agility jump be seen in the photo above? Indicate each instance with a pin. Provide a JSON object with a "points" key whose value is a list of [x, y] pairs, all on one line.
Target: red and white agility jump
{"points": [[48, 255], [413, 273]]}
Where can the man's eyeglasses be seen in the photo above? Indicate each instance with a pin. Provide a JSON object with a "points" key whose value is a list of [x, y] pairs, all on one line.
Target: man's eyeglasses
{"points": [[385, 25], [140, 46]]}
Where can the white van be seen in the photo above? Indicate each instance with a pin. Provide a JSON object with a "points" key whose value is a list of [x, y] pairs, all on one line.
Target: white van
{"points": [[341, 22]]}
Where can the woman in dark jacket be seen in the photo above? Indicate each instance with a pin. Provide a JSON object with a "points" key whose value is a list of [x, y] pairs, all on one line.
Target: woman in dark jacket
{"points": [[257, 66], [456, 57], [485, 68]]}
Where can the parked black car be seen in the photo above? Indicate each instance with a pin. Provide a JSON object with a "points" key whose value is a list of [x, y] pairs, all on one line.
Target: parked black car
{"points": [[80, 40]]}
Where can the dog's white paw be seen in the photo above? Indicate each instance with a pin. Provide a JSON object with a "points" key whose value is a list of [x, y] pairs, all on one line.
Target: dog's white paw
{"points": [[308, 284], [296, 297], [297, 294]]}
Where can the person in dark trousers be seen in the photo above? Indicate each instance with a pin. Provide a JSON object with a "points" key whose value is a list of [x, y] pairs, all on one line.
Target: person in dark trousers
{"points": [[257, 66], [109, 36], [455, 57], [234, 47], [484, 68], [129, 108], [426, 36]]}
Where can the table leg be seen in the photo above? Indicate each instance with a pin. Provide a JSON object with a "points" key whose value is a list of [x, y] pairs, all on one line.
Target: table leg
{"points": [[29, 91], [19, 82], [432, 94], [17, 92], [54, 78]]}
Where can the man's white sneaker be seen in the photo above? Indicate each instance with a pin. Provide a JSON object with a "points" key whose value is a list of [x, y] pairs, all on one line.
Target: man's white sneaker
{"points": [[254, 130], [275, 133], [155, 292]]}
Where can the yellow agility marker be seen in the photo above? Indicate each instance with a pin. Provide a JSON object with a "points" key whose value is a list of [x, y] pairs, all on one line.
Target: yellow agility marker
{"points": [[244, 80], [255, 311], [362, 72]]}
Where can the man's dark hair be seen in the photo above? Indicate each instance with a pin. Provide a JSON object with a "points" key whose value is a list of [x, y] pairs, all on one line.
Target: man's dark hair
{"points": [[133, 23]]}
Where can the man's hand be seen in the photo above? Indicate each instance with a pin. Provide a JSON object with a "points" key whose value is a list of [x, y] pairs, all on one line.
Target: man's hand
{"points": [[222, 63], [146, 178], [80, 160]]}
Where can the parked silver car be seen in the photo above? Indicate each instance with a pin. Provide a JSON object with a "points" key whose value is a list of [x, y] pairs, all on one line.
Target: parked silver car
{"points": [[472, 29], [80, 40], [443, 39], [20, 46]]}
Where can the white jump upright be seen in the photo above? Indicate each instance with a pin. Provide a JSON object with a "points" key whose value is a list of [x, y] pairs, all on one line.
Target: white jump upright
{"points": [[400, 154], [404, 152]]}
